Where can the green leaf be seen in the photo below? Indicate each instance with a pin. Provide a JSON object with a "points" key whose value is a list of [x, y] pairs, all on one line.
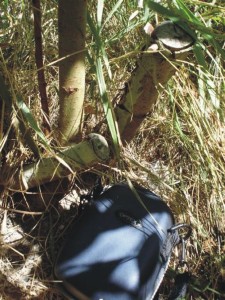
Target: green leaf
{"points": [[108, 109], [107, 106], [31, 121], [7, 99], [100, 7], [162, 10], [99, 44], [106, 61], [185, 12], [111, 13], [183, 17], [219, 48], [197, 49], [27, 136], [93, 30]]}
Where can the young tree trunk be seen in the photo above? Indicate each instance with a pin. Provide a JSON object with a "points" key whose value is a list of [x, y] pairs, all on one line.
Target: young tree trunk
{"points": [[155, 67], [39, 62], [72, 27], [70, 160]]}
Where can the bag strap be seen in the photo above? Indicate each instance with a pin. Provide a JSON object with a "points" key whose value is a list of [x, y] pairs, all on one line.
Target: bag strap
{"points": [[94, 193], [180, 288], [183, 278]]}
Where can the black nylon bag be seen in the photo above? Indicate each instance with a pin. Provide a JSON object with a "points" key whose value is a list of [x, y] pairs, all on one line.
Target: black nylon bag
{"points": [[120, 248]]}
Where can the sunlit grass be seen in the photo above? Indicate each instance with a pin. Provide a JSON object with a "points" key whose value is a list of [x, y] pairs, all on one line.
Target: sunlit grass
{"points": [[180, 150]]}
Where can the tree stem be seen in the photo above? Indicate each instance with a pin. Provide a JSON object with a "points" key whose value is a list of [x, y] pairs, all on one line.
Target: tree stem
{"points": [[72, 29], [84, 155], [39, 62], [154, 69]]}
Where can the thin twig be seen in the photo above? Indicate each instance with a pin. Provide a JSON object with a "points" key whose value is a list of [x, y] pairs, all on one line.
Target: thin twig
{"points": [[24, 212], [39, 61]]}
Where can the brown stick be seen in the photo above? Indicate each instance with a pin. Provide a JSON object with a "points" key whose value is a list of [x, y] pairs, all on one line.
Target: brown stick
{"points": [[39, 61]]}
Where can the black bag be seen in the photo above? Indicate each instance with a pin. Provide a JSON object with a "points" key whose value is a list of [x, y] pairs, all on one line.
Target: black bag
{"points": [[120, 248]]}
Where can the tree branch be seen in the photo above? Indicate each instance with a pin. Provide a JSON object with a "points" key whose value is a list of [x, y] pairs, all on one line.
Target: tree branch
{"points": [[70, 160], [155, 67], [39, 62]]}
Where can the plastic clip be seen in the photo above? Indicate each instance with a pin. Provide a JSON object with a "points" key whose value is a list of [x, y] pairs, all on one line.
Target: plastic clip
{"points": [[182, 260], [183, 276], [179, 227], [184, 232]]}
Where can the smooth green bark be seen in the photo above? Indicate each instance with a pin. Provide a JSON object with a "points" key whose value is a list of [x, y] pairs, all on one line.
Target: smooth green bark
{"points": [[154, 68], [72, 28], [89, 152]]}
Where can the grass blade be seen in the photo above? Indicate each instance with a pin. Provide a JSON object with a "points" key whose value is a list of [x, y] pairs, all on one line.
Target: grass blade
{"points": [[108, 109], [182, 16], [200, 56], [31, 121], [100, 7], [7, 100], [111, 13], [185, 12], [99, 44], [163, 11]]}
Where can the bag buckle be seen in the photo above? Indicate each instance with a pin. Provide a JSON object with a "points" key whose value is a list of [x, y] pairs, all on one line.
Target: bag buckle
{"points": [[184, 231], [183, 276]]}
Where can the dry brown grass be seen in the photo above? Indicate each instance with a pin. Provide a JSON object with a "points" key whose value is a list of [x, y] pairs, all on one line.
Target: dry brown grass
{"points": [[178, 153]]}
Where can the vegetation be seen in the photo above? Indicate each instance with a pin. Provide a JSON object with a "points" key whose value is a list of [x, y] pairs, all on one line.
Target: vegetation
{"points": [[178, 152]]}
